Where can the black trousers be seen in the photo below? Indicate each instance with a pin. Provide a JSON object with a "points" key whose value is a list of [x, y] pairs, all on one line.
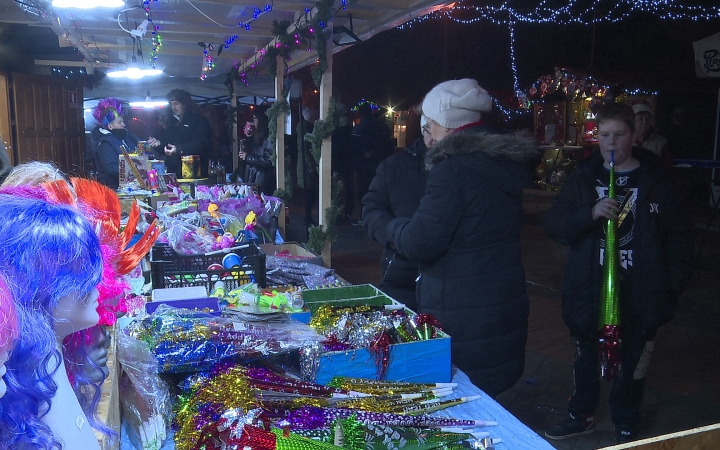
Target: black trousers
{"points": [[628, 388]]}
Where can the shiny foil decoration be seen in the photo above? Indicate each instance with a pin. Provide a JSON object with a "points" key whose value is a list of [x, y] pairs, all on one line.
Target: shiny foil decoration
{"points": [[358, 436], [375, 387], [380, 350], [609, 318], [226, 391], [308, 418]]}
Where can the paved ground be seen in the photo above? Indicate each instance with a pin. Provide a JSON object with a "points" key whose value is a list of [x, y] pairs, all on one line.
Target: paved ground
{"points": [[683, 383]]}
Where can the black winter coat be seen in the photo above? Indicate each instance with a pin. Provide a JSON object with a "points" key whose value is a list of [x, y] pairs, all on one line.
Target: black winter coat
{"points": [[396, 190], [107, 153], [662, 249], [192, 136], [259, 168], [466, 236]]}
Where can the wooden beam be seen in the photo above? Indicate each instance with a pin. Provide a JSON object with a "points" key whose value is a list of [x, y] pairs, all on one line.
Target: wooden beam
{"points": [[325, 164], [235, 143], [280, 138]]}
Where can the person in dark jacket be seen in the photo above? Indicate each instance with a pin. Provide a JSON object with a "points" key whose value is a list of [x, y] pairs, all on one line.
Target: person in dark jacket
{"points": [[466, 235], [307, 167], [396, 190], [369, 145], [109, 135], [259, 157], [187, 133], [654, 243]]}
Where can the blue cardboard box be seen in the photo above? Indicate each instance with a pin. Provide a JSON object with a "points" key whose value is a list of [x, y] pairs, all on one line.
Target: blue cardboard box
{"points": [[416, 362]]}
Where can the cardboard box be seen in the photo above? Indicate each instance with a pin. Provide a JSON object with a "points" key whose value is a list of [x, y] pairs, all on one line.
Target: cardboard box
{"points": [[294, 250], [414, 362], [417, 362], [157, 201], [126, 172]]}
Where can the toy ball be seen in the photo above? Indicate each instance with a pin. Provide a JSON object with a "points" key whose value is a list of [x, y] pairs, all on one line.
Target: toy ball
{"points": [[231, 260]]}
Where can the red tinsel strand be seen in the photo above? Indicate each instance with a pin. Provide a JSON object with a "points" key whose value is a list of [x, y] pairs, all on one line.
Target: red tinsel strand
{"points": [[609, 351], [380, 349]]}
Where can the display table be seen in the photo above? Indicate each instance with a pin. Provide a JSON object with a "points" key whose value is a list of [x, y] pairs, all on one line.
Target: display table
{"points": [[514, 434]]}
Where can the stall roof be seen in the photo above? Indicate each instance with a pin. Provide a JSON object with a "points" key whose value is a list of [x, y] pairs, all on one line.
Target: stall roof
{"points": [[104, 38]]}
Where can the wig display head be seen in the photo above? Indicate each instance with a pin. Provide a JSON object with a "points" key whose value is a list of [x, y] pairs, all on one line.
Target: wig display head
{"points": [[8, 330], [32, 173], [49, 254], [107, 110]]}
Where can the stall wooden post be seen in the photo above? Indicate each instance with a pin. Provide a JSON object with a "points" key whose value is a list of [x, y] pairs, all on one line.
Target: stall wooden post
{"points": [[235, 146], [325, 191], [280, 137]]}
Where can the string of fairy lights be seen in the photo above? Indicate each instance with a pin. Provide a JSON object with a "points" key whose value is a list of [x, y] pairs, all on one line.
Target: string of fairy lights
{"points": [[156, 39], [571, 13]]}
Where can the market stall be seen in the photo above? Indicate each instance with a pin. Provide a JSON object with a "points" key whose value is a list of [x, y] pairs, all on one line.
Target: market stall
{"points": [[564, 105], [218, 298]]}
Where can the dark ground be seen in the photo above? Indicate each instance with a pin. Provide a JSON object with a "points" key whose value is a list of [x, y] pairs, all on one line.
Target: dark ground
{"points": [[683, 382]]}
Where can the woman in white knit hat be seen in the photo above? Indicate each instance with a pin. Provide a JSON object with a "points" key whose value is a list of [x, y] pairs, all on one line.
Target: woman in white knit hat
{"points": [[466, 235]]}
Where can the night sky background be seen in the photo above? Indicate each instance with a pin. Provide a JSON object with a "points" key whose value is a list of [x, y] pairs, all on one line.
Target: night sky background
{"points": [[397, 67]]}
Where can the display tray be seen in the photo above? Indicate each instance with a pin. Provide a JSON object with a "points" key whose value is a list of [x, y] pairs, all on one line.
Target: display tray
{"points": [[419, 362], [361, 294]]}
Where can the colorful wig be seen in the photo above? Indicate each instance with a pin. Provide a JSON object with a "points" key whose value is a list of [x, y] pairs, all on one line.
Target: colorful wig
{"points": [[8, 329], [102, 207], [107, 110], [47, 252], [32, 173], [8, 319]]}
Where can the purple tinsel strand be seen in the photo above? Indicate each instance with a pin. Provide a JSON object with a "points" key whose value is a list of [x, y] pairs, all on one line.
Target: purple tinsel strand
{"points": [[311, 418]]}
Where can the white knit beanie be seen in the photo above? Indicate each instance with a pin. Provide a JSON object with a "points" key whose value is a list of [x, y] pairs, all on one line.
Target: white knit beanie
{"points": [[455, 103]]}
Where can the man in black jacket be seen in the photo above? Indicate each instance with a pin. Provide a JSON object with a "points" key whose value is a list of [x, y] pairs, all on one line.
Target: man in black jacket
{"points": [[395, 191], [654, 243], [188, 133]]}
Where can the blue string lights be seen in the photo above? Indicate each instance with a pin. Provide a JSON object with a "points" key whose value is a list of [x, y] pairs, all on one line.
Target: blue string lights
{"points": [[572, 13]]}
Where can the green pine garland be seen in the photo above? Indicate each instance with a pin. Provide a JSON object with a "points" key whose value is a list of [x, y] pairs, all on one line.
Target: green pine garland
{"points": [[324, 128], [281, 106], [319, 236], [287, 193]]}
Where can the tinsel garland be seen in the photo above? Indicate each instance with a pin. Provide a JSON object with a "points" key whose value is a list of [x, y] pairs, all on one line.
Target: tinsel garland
{"points": [[358, 436], [308, 417]]}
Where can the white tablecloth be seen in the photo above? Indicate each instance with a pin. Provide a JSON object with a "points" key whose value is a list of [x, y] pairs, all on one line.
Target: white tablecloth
{"points": [[514, 434]]}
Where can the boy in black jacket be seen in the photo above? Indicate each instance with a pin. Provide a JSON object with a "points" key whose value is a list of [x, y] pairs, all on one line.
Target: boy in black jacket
{"points": [[654, 244]]}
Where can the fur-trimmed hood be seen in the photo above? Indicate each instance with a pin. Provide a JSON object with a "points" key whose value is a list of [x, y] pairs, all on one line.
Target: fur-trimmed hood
{"points": [[504, 160], [513, 147]]}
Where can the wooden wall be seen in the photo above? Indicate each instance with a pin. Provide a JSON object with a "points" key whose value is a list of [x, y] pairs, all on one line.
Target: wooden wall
{"points": [[5, 119], [48, 121]]}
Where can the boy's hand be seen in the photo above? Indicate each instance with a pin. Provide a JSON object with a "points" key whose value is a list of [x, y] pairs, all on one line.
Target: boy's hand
{"points": [[607, 208]]}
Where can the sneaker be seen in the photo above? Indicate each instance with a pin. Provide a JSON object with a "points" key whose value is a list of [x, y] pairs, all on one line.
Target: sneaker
{"points": [[571, 427], [357, 223], [623, 436]]}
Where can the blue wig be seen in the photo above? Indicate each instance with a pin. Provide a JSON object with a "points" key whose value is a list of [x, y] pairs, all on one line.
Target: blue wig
{"points": [[46, 252]]}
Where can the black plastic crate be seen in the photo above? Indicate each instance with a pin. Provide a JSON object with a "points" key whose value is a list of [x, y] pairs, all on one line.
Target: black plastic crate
{"points": [[170, 270]]}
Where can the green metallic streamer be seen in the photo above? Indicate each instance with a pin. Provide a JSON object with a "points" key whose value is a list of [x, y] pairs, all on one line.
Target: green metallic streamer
{"points": [[609, 294]]}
